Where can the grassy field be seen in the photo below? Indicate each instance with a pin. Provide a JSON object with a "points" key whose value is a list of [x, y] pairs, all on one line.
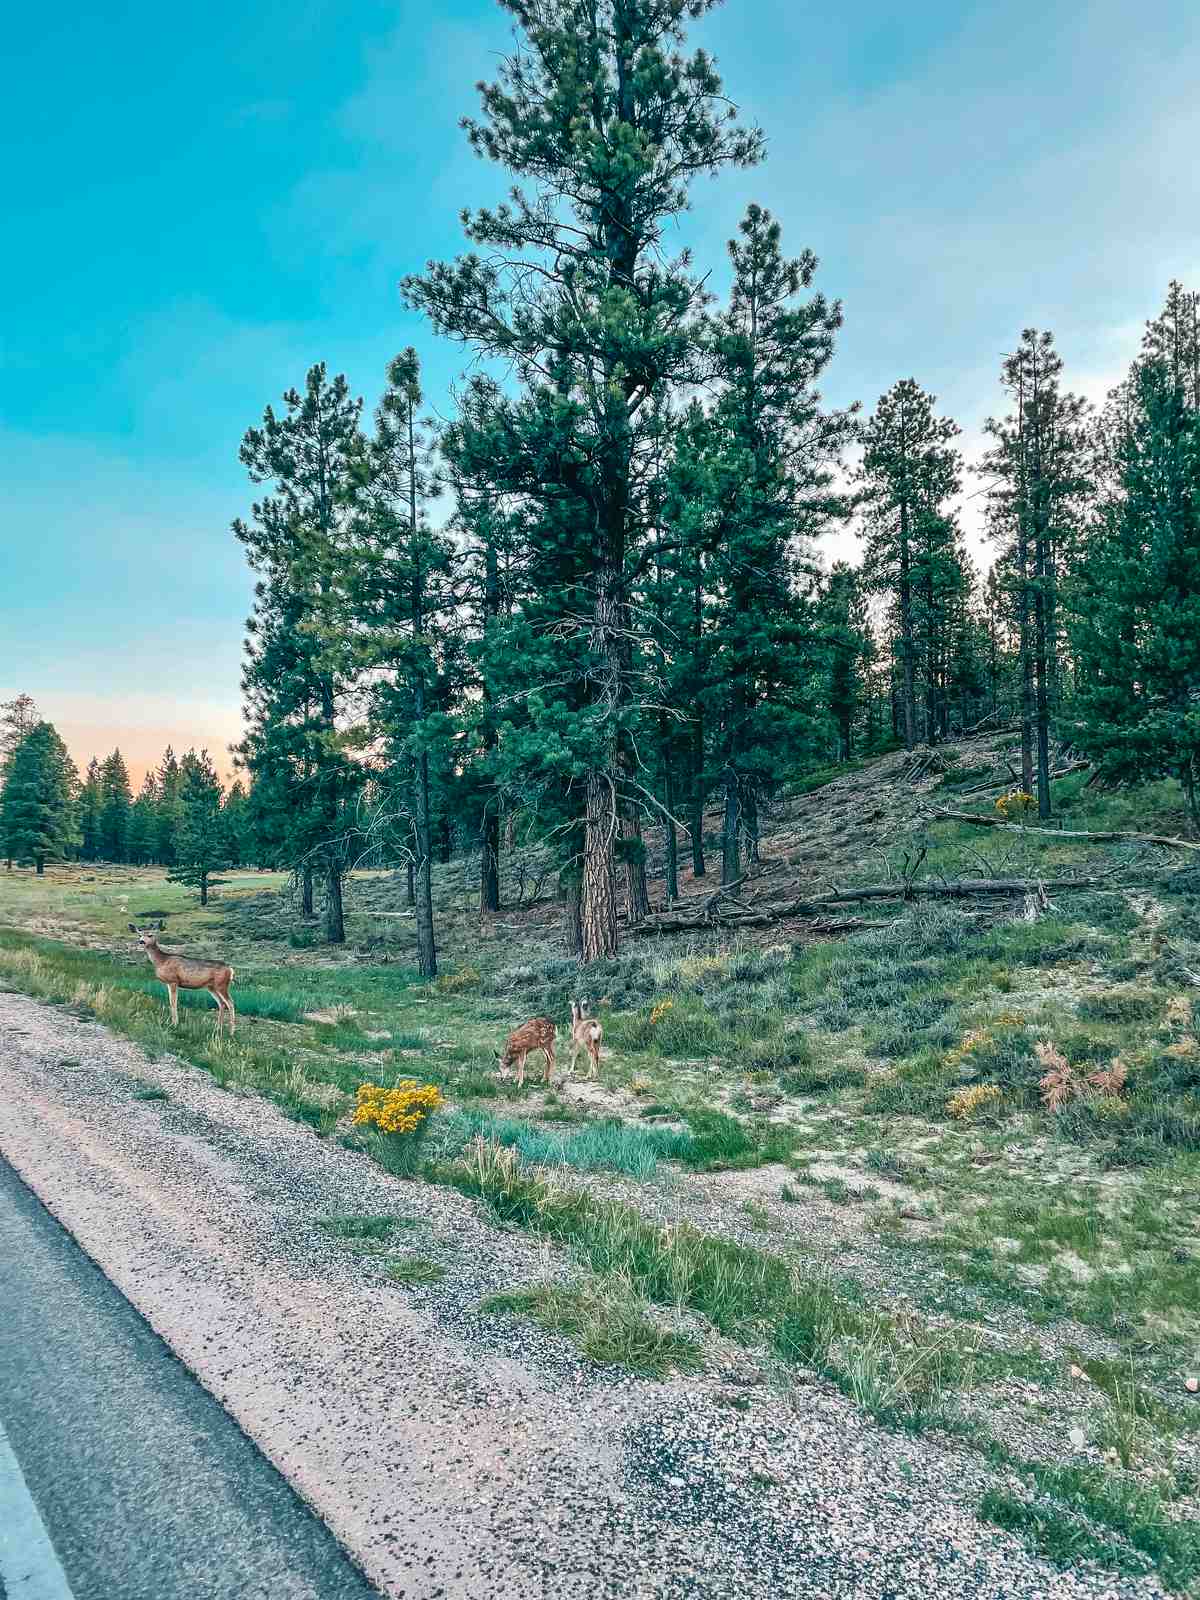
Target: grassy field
{"points": [[849, 1139]]}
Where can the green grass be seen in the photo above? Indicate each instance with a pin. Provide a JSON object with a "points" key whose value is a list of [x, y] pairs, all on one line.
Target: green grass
{"points": [[1086, 1513], [415, 1270], [606, 1321], [151, 1094], [600, 1146], [898, 1372], [369, 1228]]}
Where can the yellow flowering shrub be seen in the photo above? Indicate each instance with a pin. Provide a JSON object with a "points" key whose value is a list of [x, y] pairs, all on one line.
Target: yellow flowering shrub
{"points": [[1015, 806], [660, 1010], [400, 1110], [456, 982], [964, 1103]]}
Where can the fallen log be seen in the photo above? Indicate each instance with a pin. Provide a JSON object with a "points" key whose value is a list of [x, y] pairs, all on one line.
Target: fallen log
{"points": [[1003, 783], [959, 889], [979, 820]]}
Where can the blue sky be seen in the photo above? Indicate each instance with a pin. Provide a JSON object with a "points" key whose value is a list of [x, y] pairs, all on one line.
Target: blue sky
{"points": [[203, 201]]}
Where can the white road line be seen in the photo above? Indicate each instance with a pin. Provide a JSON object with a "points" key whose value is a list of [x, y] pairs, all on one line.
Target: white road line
{"points": [[28, 1565]]}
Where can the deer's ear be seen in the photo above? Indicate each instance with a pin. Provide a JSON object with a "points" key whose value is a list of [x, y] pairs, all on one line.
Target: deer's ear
{"points": [[132, 928]]}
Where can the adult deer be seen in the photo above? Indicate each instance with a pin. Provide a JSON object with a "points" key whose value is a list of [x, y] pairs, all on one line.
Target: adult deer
{"points": [[187, 972]]}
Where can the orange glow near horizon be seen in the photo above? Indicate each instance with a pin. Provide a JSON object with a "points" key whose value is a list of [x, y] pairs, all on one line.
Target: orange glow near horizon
{"points": [[98, 729]]}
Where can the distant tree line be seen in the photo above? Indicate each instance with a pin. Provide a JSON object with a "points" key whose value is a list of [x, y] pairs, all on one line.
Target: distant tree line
{"points": [[181, 818], [588, 600]]}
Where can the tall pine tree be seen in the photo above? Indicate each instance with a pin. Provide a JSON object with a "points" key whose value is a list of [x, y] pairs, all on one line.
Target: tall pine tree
{"points": [[1038, 465], [1135, 599], [607, 122], [200, 840], [298, 742], [116, 801], [909, 470]]}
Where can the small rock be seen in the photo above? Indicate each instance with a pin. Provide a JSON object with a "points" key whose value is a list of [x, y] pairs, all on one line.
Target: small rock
{"points": [[1077, 1438], [1078, 1372], [1191, 1385]]}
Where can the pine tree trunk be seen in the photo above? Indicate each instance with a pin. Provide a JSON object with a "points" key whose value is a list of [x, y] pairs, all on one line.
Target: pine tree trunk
{"points": [[731, 853], [600, 938], [1043, 712], [574, 927], [335, 923], [426, 953], [750, 823], [672, 845], [489, 859], [39, 865], [410, 888], [908, 702], [445, 841], [598, 911], [1187, 777], [306, 890], [204, 888], [637, 898], [1027, 690], [696, 816]]}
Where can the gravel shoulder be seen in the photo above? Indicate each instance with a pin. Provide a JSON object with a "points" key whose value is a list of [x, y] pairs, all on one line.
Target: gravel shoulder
{"points": [[455, 1455]]}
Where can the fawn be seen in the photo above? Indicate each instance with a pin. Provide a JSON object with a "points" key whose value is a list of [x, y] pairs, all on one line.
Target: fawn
{"points": [[586, 1034], [537, 1034], [186, 972]]}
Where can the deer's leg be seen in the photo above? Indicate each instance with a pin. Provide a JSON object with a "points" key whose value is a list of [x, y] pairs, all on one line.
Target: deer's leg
{"points": [[548, 1051], [221, 995], [231, 1013], [521, 1070], [594, 1052], [173, 992], [574, 1056]]}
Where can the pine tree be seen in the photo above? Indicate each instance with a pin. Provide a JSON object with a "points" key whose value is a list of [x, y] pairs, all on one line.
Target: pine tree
{"points": [[1038, 461], [602, 113], [1135, 598], [37, 803], [143, 822], [846, 636], [909, 470], [90, 800], [167, 820], [116, 801], [298, 746], [487, 533], [397, 590], [770, 476], [200, 840], [235, 826], [18, 717]]}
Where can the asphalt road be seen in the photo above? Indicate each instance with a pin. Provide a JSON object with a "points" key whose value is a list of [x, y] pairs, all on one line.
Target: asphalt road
{"points": [[144, 1487]]}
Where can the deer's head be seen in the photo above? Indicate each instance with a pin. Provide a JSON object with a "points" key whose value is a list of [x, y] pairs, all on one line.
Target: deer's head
{"points": [[146, 936]]}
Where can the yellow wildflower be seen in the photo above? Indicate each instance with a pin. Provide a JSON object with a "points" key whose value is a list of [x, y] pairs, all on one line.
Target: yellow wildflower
{"points": [[399, 1110], [964, 1103]]}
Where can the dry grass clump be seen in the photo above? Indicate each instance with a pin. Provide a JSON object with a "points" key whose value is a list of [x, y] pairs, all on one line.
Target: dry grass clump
{"points": [[1061, 1082]]}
